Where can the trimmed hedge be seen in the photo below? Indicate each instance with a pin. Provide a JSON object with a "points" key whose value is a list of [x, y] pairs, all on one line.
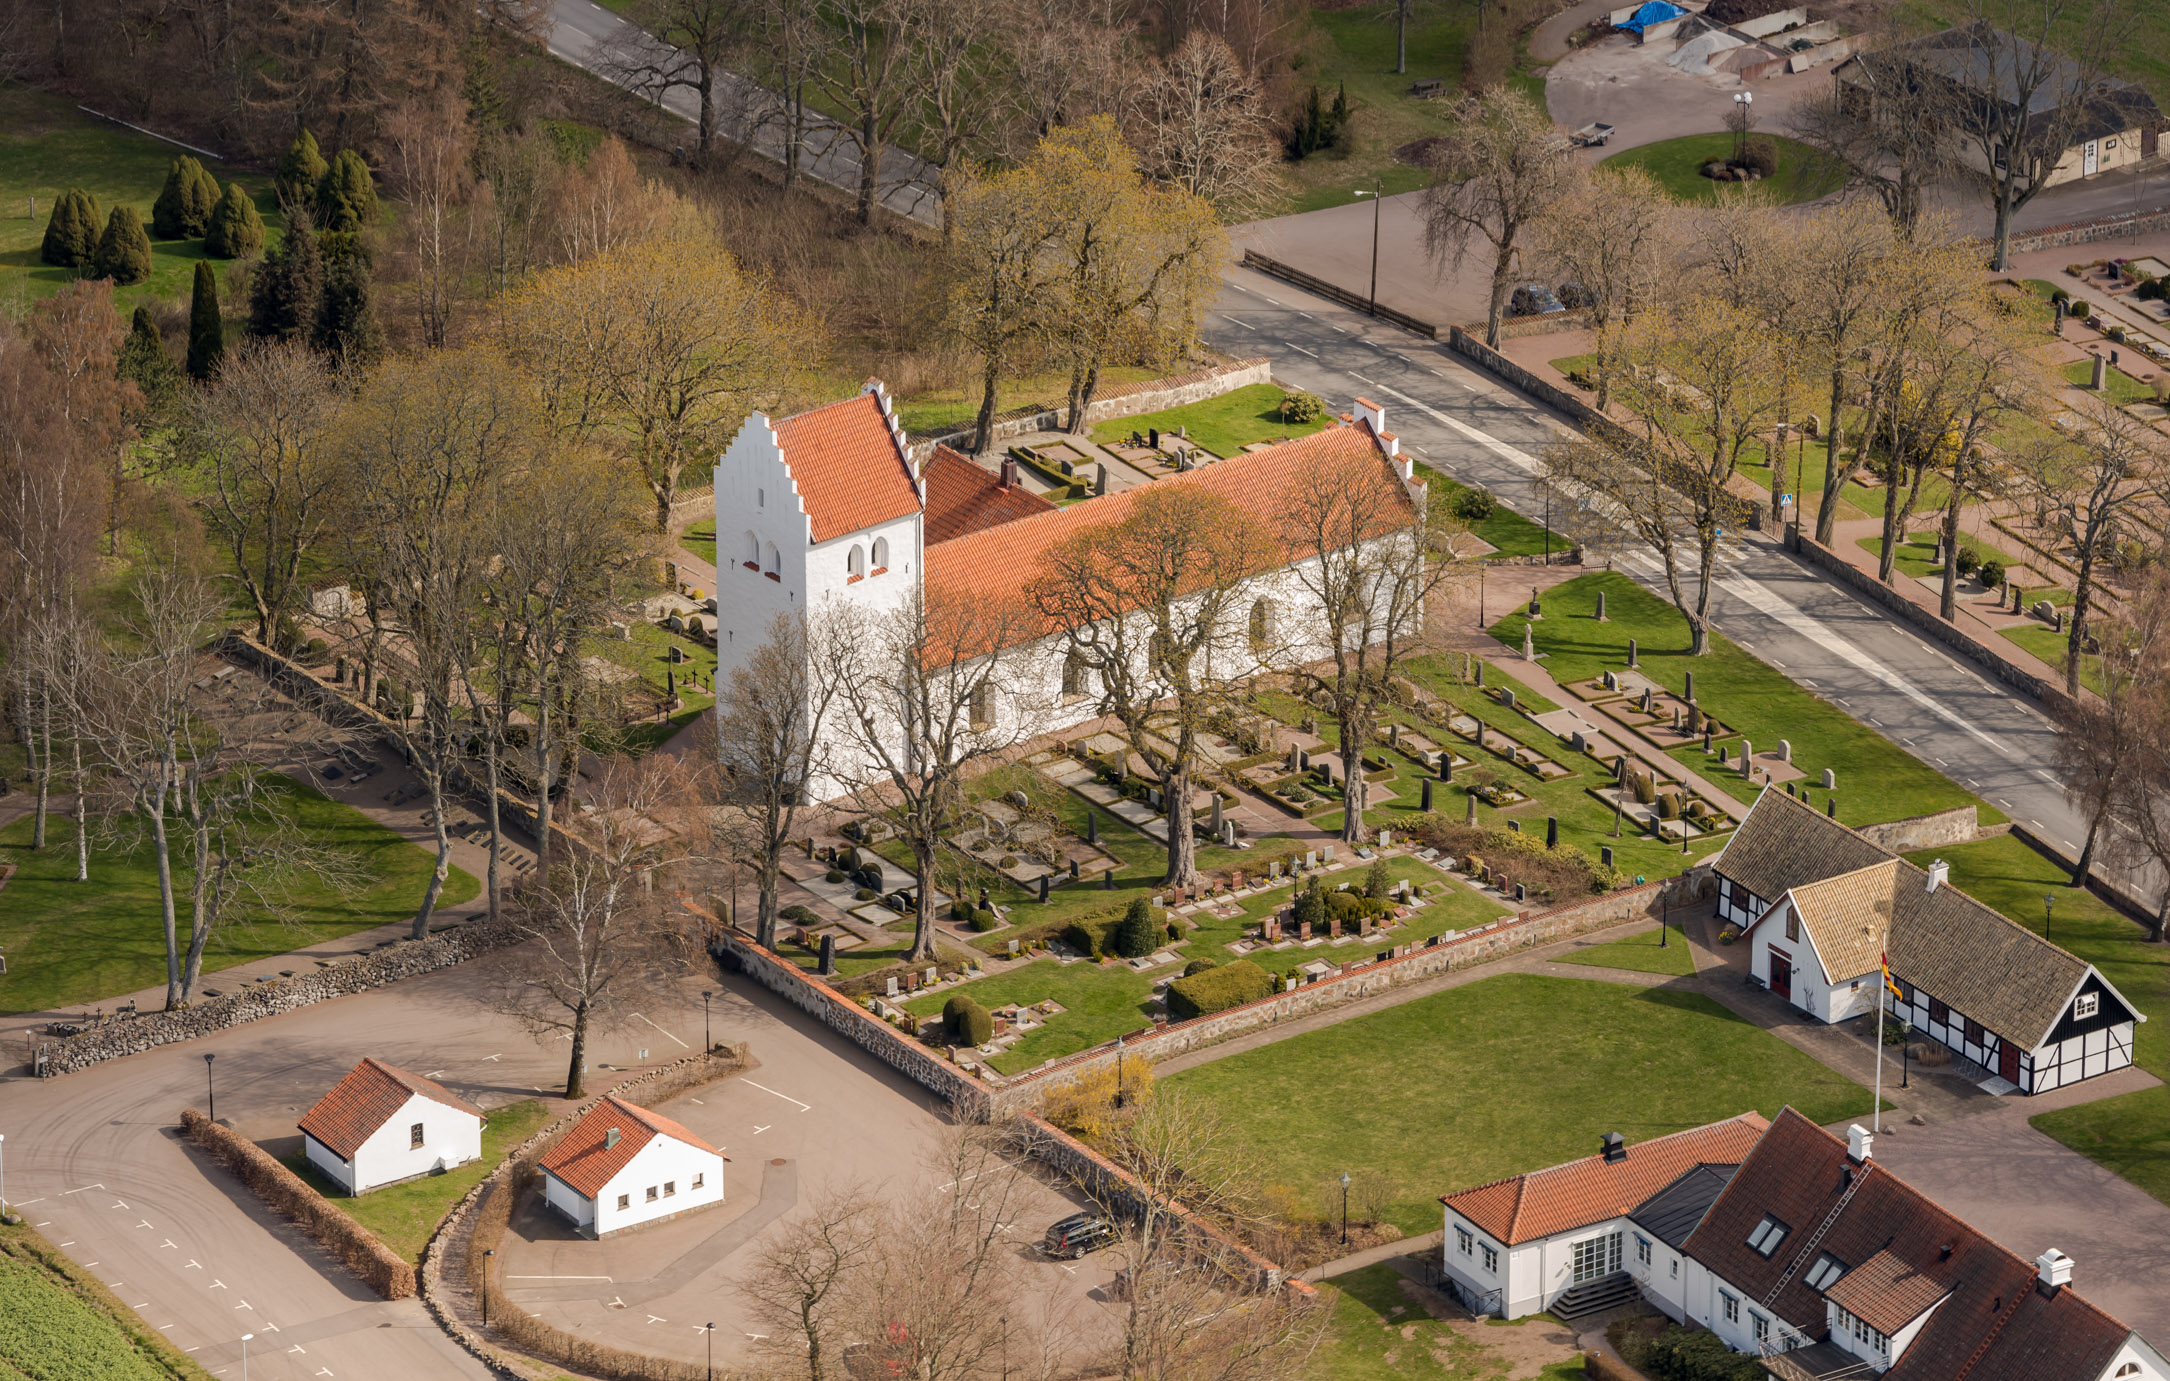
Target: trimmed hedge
{"points": [[359, 1249], [1090, 936], [1217, 990], [966, 1018]]}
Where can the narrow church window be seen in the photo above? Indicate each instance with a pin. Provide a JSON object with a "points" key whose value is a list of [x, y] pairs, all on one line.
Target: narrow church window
{"points": [[983, 707], [1073, 675], [753, 552], [1261, 627], [881, 555], [855, 563], [775, 564]]}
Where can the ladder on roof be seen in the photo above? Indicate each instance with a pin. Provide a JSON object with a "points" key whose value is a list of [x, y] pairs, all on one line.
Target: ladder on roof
{"points": [[1810, 1246]]}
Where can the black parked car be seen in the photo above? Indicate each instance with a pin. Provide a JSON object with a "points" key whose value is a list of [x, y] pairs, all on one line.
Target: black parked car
{"points": [[1077, 1235]]}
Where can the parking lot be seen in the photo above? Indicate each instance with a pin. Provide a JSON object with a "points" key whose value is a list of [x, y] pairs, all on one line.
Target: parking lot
{"points": [[94, 1162]]}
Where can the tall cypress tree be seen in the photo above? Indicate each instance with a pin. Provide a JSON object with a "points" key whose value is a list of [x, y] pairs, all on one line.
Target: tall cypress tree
{"points": [[184, 205], [235, 228], [346, 319], [71, 235], [301, 167], [284, 290], [124, 251], [346, 200], [144, 362], [206, 325]]}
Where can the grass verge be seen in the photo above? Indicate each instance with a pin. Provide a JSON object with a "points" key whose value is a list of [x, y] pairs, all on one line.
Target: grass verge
{"points": [[57, 1323], [1223, 425], [1676, 164], [1639, 954], [1379, 1330]]}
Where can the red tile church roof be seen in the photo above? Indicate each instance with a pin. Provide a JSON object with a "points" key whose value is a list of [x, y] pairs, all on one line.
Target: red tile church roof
{"points": [[847, 465], [963, 497]]}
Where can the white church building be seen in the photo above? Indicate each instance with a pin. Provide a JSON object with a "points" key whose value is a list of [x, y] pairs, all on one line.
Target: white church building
{"points": [[827, 512]]}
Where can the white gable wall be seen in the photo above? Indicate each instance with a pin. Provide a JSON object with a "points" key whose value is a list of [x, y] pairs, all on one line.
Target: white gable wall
{"points": [[2147, 1363], [664, 1161], [450, 1137], [1812, 988], [1663, 1278]]}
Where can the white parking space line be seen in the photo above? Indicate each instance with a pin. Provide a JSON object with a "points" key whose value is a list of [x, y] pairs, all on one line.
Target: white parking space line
{"points": [[681, 1044], [803, 1107]]}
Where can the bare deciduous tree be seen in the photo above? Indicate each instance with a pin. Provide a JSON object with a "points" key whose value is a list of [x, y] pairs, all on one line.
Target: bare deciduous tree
{"points": [[995, 268], [1206, 129], [769, 719], [1612, 231], [679, 45], [1495, 173], [1883, 140], [867, 78], [431, 157], [803, 1281]]}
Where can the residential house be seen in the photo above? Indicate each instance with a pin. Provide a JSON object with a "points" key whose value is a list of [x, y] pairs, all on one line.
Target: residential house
{"points": [[1560, 1238], [380, 1125], [1820, 905], [621, 1166], [1976, 73], [1791, 1244], [828, 509]]}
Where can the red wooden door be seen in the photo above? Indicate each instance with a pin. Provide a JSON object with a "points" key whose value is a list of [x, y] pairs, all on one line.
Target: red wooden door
{"points": [[2008, 1062], [1781, 974]]}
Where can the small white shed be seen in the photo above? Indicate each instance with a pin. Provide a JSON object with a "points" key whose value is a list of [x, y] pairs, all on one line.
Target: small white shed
{"points": [[620, 1166], [381, 1125]]}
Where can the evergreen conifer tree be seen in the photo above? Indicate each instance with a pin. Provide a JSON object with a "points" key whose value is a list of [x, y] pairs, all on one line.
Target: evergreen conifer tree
{"points": [[71, 235], [346, 319], [235, 229], [301, 167], [124, 251], [144, 362], [1134, 937], [283, 291], [346, 198], [184, 205], [206, 325]]}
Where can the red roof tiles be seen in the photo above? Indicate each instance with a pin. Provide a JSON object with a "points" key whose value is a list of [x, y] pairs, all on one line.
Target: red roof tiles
{"points": [[1592, 1189], [847, 466], [583, 1158], [964, 498], [371, 1094]]}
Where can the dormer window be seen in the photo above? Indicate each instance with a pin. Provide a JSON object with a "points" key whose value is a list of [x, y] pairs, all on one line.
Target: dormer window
{"points": [[1827, 1269], [1768, 1234], [2086, 1005]]}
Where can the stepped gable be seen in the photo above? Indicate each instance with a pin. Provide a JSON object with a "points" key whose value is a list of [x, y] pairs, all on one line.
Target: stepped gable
{"points": [[848, 462]]}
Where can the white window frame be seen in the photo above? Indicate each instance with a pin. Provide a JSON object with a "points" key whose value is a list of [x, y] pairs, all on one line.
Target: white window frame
{"points": [[1730, 1305], [1491, 1257], [1466, 1241], [1642, 1250], [2086, 1005], [1825, 1272]]}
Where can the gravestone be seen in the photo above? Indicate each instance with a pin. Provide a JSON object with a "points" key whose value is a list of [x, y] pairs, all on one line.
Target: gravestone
{"points": [[1578, 742], [1311, 859], [1830, 807], [1228, 834], [1650, 701], [1393, 734], [1303, 760], [1303, 930], [1043, 887], [1529, 644], [2101, 376], [1708, 734], [828, 955], [1386, 839], [1632, 663], [1020, 800], [933, 973], [1521, 892], [1612, 682], [1601, 608], [1092, 827], [1073, 870], [892, 985], [1537, 610], [1329, 854], [911, 982], [1469, 816], [1785, 750], [678, 654], [1273, 870], [1604, 856], [1216, 812], [1830, 779], [1506, 697], [1428, 784], [1293, 754], [1723, 755], [1107, 880], [1271, 930], [1552, 831], [1480, 671], [1515, 825], [1013, 948], [1748, 757], [1689, 693]]}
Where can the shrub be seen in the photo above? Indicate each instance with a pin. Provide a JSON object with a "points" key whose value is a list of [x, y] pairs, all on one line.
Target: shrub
{"points": [[1310, 906], [1217, 989], [1198, 966], [346, 197], [1669, 806], [1317, 125], [124, 250], [184, 204], [968, 1022], [286, 635], [2152, 290], [1991, 572], [143, 360], [833, 875], [301, 167], [315, 651], [694, 626], [869, 874], [1344, 906], [985, 918], [1693, 1354], [1175, 932], [381, 1268], [1474, 505], [235, 229], [71, 234], [1761, 156], [1007, 861], [1302, 407], [1090, 936], [849, 860], [804, 915], [1135, 935], [1967, 560], [866, 894], [206, 324], [1645, 787]]}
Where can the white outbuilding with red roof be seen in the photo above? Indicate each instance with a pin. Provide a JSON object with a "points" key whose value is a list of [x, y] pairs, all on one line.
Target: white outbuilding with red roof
{"points": [[621, 1166], [381, 1125]]}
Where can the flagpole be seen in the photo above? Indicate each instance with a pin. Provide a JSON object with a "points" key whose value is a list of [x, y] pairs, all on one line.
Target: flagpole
{"points": [[1883, 984]]}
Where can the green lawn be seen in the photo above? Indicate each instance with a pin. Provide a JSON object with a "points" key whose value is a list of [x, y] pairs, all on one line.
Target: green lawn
{"points": [[1501, 1076], [1877, 780], [2129, 1134], [1675, 164], [1917, 554], [647, 655], [700, 539], [2051, 646], [48, 146], [2142, 52], [1380, 1331], [68, 943], [946, 409], [2118, 386], [1639, 953], [57, 1323], [1509, 533], [404, 1215], [1223, 425]]}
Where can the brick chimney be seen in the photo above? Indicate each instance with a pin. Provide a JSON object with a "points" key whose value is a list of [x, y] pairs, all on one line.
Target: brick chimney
{"points": [[1009, 472]]}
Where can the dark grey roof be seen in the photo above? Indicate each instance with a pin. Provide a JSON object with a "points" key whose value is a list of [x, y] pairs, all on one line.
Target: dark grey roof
{"points": [[1786, 842], [1672, 1213], [1994, 65]]}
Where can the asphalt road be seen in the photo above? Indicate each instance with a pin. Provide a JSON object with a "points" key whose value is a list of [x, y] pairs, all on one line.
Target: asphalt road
{"points": [[1466, 424], [591, 37]]}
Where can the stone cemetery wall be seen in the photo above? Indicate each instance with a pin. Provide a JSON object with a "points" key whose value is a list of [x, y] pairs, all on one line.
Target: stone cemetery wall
{"points": [[972, 1098], [1419, 963], [1287, 273], [1955, 826], [1119, 400], [406, 959], [2135, 906], [2087, 232]]}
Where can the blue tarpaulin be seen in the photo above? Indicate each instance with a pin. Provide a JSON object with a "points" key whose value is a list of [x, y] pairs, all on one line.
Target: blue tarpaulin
{"points": [[1656, 12]]}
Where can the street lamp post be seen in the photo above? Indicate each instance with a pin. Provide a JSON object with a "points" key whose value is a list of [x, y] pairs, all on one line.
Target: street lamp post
{"points": [[1665, 920], [1377, 195], [1746, 103], [1344, 1208], [710, 1330], [210, 1090], [245, 1355], [1480, 593], [2048, 901], [1005, 1347], [486, 1285], [1548, 524], [706, 1042], [3, 1182], [1119, 1089]]}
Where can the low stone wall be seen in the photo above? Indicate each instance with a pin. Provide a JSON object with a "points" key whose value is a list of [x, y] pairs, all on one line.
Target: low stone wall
{"points": [[1333, 292], [2145, 222], [1959, 825], [1924, 621], [406, 959], [1023, 1093], [1117, 400], [974, 1100]]}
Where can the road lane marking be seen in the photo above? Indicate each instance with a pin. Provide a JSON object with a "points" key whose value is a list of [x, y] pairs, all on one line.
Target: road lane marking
{"points": [[1513, 455], [557, 1277], [758, 1130], [681, 1044], [1298, 349], [192, 1265], [216, 1285], [487, 1058], [1274, 300], [803, 1107], [1244, 324], [25, 1203]]}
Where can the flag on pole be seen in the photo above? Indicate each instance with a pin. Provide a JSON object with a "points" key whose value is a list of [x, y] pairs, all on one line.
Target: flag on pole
{"points": [[1889, 982]]}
